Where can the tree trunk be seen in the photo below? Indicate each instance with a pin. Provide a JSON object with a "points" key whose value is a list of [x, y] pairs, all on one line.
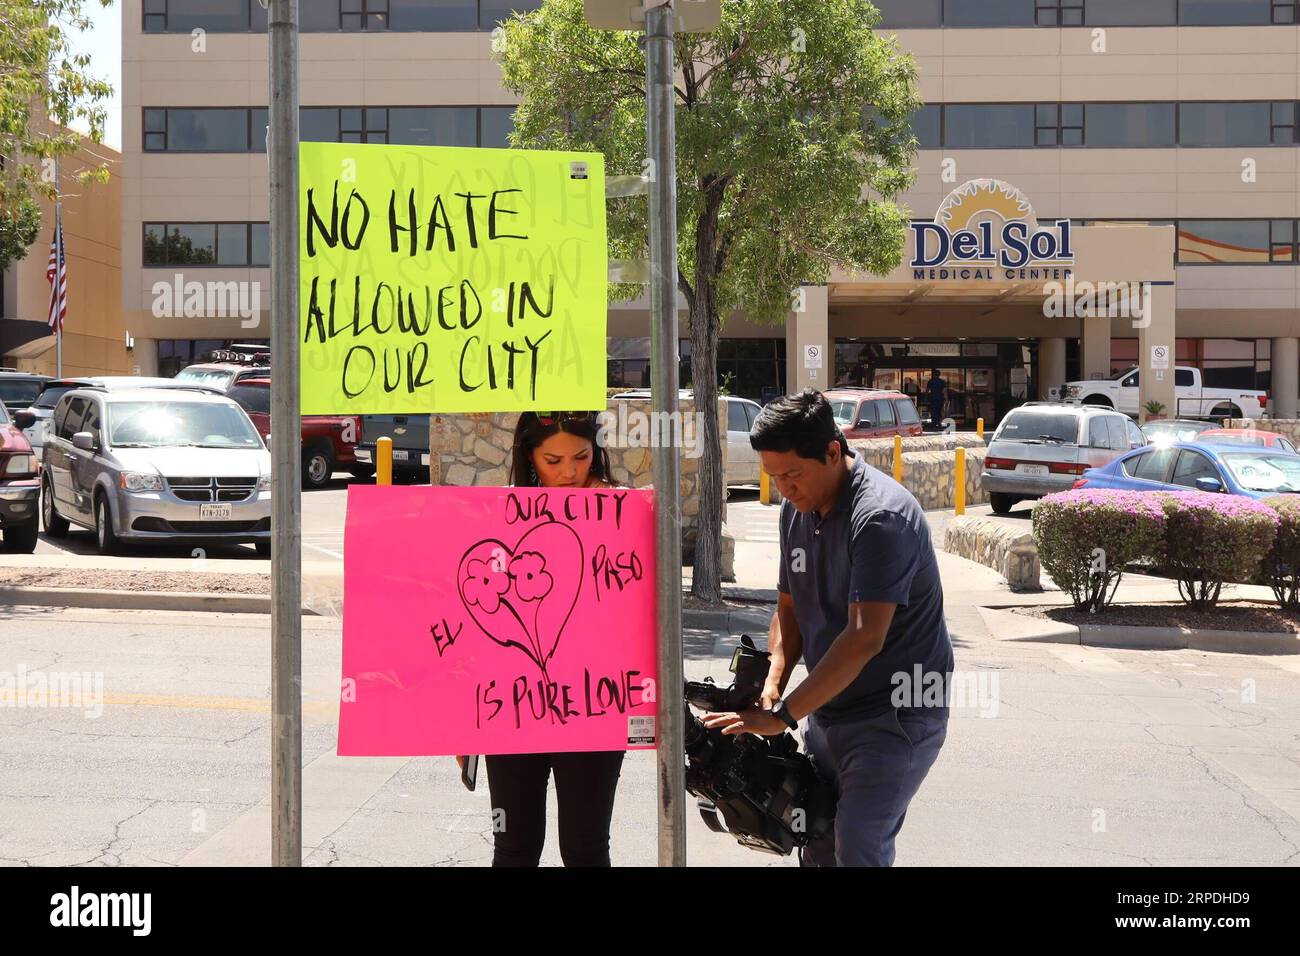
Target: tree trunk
{"points": [[706, 577]]}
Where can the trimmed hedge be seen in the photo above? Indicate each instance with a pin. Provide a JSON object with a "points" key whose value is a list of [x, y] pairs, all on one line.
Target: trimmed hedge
{"points": [[1281, 567], [1086, 540], [1212, 538]]}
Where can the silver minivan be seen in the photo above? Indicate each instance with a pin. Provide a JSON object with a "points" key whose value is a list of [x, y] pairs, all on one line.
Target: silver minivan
{"points": [[156, 465], [1043, 447]]}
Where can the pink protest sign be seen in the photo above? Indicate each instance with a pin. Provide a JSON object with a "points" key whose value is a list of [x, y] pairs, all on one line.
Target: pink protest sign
{"points": [[497, 620]]}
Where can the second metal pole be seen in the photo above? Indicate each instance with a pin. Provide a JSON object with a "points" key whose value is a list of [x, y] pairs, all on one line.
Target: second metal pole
{"points": [[286, 444], [661, 145]]}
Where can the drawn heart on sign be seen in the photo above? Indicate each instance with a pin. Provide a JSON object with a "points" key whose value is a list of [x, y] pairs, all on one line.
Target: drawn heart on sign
{"points": [[523, 596]]}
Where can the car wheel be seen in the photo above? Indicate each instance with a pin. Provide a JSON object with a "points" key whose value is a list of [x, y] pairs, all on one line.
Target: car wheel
{"points": [[317, 467], [263, 548], [1002, 504], [1226, 412], [105, 537], [21, 538], [362, 472], [56, 526]]}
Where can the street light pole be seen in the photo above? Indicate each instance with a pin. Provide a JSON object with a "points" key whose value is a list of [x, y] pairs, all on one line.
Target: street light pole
{"points": [[286, 441], [661, 146]]}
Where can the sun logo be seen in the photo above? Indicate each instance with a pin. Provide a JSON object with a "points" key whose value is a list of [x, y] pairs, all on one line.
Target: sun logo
{"points": [[964, 204]]}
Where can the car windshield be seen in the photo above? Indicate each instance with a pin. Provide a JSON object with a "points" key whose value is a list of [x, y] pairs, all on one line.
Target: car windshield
{"points": [[16, 391], [1118, 375], [199, 376], [4, 415], [1162, 433], [843, 411], [1256, 440], [1040, 426], [168, 424], [1270, 472]]}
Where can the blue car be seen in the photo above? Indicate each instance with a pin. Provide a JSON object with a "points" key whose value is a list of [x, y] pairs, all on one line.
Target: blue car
{"points": [[1200, 466]]}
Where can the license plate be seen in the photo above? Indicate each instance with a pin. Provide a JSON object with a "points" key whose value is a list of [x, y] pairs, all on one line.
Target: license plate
{"points": [[401, 455], [214, 512], [1035, 470]]}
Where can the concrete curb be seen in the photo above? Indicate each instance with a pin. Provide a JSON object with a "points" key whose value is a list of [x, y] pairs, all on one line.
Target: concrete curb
{"points": [[1006, 625], [755, 621], [140, 600]]}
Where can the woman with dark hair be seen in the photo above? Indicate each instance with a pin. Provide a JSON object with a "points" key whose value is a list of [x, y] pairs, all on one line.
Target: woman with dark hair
{"points": [[555, 450]]}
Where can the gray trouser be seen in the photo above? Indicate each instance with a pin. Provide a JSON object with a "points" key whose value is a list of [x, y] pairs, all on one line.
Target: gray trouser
{"points": [[877, 765]]}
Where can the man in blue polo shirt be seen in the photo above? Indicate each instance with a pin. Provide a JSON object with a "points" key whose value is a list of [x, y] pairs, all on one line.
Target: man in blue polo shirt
{"points": [[860, 600]]}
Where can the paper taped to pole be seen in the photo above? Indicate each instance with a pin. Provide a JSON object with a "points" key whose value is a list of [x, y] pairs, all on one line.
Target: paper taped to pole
{"points": [[497, 620], [451, 279]]}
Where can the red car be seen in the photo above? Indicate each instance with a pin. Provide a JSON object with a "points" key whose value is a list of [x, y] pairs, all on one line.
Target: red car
{"points": [[873, 413], [20, 487], [328, 441], [1253, 437]]}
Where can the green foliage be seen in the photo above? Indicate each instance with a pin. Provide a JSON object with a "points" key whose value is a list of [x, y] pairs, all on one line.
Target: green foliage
{"points": [[18, 231], [44, 88]]}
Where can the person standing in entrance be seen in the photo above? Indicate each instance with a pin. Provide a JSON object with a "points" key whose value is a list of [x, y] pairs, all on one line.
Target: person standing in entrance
{"points": [[859, 599], [937, 389], [555, 450]]}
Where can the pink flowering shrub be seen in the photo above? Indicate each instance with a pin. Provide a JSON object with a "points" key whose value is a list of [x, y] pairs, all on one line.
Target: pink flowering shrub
{"points": [[1281, 567], [1212, 538], [1087, 538]]}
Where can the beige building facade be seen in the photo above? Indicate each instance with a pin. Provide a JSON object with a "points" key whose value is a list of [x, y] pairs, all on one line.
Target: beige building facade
{"points": [[1164, 131], [94, 337]]}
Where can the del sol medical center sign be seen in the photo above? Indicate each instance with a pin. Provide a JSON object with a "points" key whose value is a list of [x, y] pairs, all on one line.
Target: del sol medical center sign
{"points": [[985, 229]]}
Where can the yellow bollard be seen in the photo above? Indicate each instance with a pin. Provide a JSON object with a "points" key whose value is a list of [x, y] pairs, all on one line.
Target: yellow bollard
{"points": [[959, 477], [979, 427], [764, 487], [898, 458], [384, 461]]}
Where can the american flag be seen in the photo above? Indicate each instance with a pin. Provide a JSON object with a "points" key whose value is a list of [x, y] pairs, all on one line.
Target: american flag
{"points": [[57, 275]]}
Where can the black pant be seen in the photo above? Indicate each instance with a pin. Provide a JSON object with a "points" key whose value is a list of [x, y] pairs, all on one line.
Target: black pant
{"points": [[584, 788]]}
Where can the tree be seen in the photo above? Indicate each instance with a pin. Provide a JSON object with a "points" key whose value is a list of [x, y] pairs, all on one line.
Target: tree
{"points": [[792, 146], [40, 77]]}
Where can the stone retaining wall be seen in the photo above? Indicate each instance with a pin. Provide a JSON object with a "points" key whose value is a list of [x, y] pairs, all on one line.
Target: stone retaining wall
{"points": [[880, 451], [929, 476], [1007, 549], [1289, 428]]}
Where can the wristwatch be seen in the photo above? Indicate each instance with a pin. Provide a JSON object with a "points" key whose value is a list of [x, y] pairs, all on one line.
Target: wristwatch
{"points": [[783, 712]]}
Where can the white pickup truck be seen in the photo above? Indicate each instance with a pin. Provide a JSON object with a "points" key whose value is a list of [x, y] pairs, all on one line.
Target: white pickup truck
{"points": [[1194, 400]]}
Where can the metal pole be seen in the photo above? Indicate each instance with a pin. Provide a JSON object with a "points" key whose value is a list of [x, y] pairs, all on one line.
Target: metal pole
{"points": [[58, 231], [286, 444], [661, 146]]}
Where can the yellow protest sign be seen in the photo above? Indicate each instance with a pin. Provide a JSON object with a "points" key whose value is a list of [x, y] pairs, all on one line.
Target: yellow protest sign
{"points": [[450, 279]]}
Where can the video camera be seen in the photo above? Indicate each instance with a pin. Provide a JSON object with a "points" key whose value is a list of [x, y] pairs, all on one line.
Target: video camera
{"points": [[761, 790]]}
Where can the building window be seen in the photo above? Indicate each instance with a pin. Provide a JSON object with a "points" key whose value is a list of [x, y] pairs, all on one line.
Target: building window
{"points": [[1225, 12], [329, 16], [1282, 131], [233, 244], [1119, 13], [1224, 241], [1059, 13], [1058, 124], [244, 130], [1130, 124], [1230, 124], [900, 14], [990, 13], [996, 125], [363, 14]]}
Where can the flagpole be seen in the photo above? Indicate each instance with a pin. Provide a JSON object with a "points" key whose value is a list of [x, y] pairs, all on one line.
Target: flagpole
{"points": [[62, 253]]}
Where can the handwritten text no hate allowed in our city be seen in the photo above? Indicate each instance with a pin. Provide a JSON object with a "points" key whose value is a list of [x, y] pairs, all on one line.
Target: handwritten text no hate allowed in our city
{"points": [[355, 303]]}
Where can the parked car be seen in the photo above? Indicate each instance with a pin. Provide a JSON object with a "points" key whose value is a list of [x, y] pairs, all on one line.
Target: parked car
{"points": [[164, 465], [1167, 430], [42, 407], [1200, 466], [327, 440], [410, 435], [220, 375], [742, 460], [874, 413], [20, 488], [1251, 437], [1193, 399], [19, 389], [1043, 447]]}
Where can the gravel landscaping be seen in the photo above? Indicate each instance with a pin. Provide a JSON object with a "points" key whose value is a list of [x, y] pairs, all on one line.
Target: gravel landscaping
{"points": [[86, 579]]}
